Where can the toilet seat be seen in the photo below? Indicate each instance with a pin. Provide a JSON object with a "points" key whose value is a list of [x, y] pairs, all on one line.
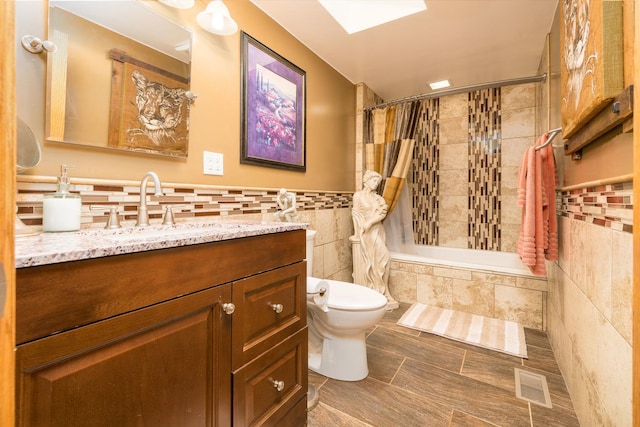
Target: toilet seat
{"points": [[350, 297]]}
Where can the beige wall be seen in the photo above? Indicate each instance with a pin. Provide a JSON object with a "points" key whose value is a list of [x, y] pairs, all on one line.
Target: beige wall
{"points": [[215, 117], [590, 287]]}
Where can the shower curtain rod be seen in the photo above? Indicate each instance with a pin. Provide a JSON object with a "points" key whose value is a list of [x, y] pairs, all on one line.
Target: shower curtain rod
{"points": [[462, 89]]}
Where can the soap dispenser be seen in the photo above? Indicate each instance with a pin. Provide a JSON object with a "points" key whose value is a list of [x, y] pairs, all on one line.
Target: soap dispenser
{"points": [[61, 210]]}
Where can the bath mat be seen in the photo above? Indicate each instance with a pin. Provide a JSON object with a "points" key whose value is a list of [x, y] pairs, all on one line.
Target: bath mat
{"points": [[493, 334]]}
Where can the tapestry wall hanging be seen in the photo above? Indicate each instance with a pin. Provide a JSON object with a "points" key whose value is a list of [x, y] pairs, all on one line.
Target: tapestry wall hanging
{"points": [[591, 59], [149, 111]]}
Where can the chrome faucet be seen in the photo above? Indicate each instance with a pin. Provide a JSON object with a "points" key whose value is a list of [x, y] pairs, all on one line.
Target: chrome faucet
{"points": [[143, 216]]}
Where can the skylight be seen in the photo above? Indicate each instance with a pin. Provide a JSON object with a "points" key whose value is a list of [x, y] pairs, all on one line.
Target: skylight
{"points": [[359, 15]]}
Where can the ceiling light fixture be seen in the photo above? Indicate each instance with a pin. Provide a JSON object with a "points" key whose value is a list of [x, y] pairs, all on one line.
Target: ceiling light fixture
{"points": [[359, 15], [179, 4], [439, 85], [217, 20]]}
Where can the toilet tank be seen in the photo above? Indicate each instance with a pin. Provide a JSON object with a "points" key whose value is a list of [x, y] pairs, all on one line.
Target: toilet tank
{"points": [[311, 236]]}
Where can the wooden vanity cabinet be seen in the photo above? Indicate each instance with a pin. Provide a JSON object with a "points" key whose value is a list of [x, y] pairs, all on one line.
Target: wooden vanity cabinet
{"points": [[150, 339]]}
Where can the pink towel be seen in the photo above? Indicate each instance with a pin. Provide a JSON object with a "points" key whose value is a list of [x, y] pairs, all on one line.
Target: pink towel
{"points": [[536, 196]]}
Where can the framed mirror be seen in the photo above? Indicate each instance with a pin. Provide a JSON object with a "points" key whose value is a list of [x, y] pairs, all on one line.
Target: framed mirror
{"points": [[119, 78]]}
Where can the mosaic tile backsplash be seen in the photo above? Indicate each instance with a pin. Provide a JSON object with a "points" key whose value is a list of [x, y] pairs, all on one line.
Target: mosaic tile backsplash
{"points": [[188, 202], [608, 206]]}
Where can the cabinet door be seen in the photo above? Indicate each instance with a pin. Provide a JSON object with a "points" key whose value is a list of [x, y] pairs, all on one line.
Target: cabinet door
{"points": [[165, 365]]}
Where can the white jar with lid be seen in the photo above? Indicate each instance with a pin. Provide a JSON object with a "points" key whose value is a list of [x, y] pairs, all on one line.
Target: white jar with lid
{"points": [[61, 210]]}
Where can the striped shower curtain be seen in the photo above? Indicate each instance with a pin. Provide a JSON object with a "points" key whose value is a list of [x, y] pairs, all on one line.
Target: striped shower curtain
{"points": [[389, 143]]}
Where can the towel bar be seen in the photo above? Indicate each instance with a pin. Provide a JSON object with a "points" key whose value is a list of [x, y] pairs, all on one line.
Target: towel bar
{"points": [[553, 133]]}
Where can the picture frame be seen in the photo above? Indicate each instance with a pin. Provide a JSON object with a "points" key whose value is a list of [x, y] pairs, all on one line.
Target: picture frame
{"points": [[591, 72], [149, 109], [273, 129]]}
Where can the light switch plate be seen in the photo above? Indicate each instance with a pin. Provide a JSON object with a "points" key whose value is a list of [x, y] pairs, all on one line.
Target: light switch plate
{"points": [[212, 163]]}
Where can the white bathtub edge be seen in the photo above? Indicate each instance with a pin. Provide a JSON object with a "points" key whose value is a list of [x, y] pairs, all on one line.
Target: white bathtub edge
{"points": [[397, 256]]}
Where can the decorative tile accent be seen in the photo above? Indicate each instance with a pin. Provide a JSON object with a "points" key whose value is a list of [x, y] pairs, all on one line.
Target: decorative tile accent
{"points": [[608, 206], [190, 202], [425, 177], [485, 172]]}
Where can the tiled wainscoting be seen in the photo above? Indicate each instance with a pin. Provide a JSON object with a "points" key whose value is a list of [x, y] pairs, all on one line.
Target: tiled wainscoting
{"points": [[327, 212], [590, 302]]}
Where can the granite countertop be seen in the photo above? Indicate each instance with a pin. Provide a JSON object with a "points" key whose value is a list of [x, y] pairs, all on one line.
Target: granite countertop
{"points": [[52, 248]]}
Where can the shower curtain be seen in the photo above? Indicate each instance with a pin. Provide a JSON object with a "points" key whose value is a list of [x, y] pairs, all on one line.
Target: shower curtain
{"points": [[389, 146]]}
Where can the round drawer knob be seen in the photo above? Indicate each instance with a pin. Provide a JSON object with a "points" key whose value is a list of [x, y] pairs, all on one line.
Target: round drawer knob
{"points": [[277, 308], [228, 307], [278, 385]]}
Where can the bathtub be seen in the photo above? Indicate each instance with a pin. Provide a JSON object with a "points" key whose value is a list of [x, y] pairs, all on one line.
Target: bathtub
{"points": [[473, 259]]}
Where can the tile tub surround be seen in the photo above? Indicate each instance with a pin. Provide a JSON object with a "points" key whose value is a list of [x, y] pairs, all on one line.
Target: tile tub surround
{"points": [[327, 212], [603, 212], [501, 296]]}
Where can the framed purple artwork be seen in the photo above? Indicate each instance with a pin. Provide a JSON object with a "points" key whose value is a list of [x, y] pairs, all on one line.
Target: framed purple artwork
{"points": [[273, 108]]}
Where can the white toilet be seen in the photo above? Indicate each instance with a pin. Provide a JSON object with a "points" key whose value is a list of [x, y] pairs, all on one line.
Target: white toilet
{"points": [[338, 320]]}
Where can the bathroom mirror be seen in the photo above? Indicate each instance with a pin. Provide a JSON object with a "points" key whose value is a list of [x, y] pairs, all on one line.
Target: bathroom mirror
{"points": [[119, 78]]}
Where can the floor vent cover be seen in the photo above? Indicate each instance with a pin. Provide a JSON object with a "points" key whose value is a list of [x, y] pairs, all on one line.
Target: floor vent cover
{"points": [[532, 387]]}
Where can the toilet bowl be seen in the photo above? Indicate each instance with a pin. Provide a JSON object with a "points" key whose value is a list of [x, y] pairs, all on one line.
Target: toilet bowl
{"points": [[338, 319]]}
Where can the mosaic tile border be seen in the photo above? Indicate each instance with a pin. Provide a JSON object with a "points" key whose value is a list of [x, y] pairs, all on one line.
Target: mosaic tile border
{"points": [[485, 170], [425, 177], [608, 205], [190, 202]]}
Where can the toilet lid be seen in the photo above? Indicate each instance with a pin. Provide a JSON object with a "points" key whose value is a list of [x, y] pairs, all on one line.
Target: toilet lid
{"points": [[348, 296]]}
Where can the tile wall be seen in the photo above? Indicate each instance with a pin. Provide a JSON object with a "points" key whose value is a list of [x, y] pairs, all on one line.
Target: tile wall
{"points": [[502, 296], [590, 302], [327, 212], [425, 176], [498, 126], [481, 138]]}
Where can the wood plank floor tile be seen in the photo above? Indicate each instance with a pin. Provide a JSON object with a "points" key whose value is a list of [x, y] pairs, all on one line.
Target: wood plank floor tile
{"points": [[555, 417], [383, 405], [484, 401], [492, 370], [325, 416], [542, 359], [537, 338], [439, 353], [420, 379], [316, 379], [383, 364], [460, 419]]}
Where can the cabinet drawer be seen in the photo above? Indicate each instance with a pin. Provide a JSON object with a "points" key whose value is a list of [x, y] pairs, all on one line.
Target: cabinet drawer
{"points": [[269, 387], [269, 307]]}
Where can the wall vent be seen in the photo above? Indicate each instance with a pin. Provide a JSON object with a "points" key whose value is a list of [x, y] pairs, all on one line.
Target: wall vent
{"points": [[532, 388]]}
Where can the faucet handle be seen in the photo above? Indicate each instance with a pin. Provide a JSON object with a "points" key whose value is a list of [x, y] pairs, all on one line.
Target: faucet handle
{"points": [[168, 214], [113, 221]]}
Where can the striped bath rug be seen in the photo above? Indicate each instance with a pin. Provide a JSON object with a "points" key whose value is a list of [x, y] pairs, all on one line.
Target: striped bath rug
{"points": [[494, 334]]}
